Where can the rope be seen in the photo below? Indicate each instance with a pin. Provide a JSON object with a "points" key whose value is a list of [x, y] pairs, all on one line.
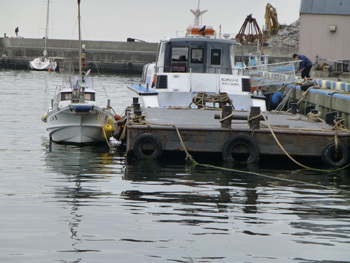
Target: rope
{"points": [[315, 117], [202, 98], [190, 159], [292, 159], [267, 176]]}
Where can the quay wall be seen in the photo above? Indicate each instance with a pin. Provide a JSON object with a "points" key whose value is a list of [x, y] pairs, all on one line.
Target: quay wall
{"points": [[327, 96], [107, 56]]}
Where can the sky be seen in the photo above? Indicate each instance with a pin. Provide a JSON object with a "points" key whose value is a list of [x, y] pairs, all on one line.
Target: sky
{"points": [[147, 20]]}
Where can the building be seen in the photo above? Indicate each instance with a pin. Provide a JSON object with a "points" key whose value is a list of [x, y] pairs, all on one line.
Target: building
{"points": [[324, 32]]}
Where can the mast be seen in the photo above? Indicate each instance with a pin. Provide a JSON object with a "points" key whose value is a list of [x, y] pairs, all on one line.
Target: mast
{"points": [[197, 14], [79, 38], [47, 26]]}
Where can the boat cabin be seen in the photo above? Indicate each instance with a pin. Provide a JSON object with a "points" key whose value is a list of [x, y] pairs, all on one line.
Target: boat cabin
{"points": [[196, 55], [71, 92]]}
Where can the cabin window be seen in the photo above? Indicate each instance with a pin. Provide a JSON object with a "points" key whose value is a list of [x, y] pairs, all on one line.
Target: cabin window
{"points": [[216, 56], [89, 96], [179, 59], [66, 96], [197, 55]]}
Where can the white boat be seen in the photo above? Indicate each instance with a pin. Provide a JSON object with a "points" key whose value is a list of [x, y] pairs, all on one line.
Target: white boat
{"points": [[198, 67], [74, 116], [44, 62]]}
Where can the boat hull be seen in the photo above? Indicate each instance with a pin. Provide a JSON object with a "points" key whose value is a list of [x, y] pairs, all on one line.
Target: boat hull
{"points": [[43, 64], [68, 126]]}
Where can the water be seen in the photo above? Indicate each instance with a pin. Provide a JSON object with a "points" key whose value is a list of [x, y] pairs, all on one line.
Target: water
{"points": [[70, 204]]}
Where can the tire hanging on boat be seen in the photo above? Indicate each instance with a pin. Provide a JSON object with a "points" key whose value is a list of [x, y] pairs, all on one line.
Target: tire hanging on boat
{"points": [[335, 156], [241, 149], [147, 145]]}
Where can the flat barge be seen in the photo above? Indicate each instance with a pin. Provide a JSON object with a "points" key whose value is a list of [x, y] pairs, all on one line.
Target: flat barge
{"points": [[234, 136]]}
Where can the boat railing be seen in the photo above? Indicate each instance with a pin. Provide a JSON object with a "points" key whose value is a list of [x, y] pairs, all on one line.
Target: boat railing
{"points": [[274, 73]]}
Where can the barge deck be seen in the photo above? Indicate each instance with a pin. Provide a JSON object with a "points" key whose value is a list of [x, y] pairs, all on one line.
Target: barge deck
{"points": [[237, 141]]}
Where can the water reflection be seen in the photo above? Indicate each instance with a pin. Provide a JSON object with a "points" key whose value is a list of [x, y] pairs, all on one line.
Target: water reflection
{"points": [[184, 214], [303, 202], [87, 160], [82, 173]]}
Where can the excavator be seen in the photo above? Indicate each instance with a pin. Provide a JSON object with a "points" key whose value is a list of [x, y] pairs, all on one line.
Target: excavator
{"points": [[271, 21]]}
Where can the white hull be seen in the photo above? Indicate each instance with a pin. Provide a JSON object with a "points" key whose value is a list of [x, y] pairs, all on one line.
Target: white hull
{"points": [[183, 87], [43, 64], [66, 126]]}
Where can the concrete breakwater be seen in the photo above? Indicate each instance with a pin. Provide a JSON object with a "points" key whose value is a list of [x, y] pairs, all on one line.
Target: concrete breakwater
{"points": [[106, 56]]}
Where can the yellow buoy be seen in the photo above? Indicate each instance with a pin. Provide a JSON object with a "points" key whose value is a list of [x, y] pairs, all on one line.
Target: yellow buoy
{"points": [[44, 117], [111, 122], [107, 131]]}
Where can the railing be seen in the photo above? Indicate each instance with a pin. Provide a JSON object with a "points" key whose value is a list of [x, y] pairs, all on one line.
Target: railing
{"points": [[272, 74]]}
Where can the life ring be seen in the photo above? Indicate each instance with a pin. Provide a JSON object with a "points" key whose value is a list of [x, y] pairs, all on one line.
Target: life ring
{"points": [[241, 149], [147, 145], [334, 158]]}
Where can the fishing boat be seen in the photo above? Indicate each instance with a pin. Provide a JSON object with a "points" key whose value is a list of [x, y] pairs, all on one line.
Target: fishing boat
{"points": [[44, 62], [74, 117], [196, 70]]}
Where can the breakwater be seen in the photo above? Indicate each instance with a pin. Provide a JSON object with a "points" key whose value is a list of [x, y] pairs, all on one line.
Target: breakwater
{"points": [[106, 56]]}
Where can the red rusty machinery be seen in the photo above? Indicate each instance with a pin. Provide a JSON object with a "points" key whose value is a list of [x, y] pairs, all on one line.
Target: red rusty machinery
{"points": [[253, 31]]}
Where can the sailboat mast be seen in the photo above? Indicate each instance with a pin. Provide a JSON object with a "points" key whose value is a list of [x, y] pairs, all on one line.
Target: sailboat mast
{"points": [[79, 38], [47, 26]]}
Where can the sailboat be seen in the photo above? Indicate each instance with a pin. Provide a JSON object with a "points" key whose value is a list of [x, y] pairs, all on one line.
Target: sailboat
{"points": [[74, 117], [44, 62]]}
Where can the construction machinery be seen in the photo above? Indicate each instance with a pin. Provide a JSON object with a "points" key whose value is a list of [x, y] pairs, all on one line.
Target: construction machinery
{"points": [[253, 31], [271, 21]]}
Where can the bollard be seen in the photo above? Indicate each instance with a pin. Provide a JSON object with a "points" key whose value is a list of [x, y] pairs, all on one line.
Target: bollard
{"points": [[226, 111], [254, 122], [293, 107], [137, 109], [135, 100]]}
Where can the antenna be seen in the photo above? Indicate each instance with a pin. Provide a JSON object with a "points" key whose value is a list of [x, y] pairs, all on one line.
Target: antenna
{"points": [[197, 14]]}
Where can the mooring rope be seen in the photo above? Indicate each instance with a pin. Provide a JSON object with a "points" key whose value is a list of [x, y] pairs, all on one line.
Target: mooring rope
{"points": [[189, 158], [141, 120]]}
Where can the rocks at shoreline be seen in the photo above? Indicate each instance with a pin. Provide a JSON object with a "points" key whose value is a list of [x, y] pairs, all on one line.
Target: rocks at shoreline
{"points": [[288, 36]]}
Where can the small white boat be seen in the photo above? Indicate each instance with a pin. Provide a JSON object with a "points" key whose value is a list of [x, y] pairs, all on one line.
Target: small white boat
{"points": [[74, 116], [194, 70], [44, 62]]}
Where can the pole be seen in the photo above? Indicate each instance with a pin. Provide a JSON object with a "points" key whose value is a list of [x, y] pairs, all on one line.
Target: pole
{"points": [[79, 37], [47, 26]]}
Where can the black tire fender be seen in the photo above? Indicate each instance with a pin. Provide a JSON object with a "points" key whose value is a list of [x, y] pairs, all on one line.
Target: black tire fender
{"points": [[248, 144], [331, 157], [153, 151]]}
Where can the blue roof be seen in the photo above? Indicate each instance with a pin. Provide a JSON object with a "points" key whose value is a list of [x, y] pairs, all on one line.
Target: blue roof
{"points": [[325, 7]]}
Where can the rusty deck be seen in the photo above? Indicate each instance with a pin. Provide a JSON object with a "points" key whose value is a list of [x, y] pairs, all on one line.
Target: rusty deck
{"points": [[201, 132]]}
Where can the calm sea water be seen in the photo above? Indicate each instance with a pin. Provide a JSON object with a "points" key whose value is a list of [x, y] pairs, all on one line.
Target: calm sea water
{"points": [[70, 204]]}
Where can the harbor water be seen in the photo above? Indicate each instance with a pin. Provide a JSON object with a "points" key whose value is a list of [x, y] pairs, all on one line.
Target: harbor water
{"points": [[63, 203]]}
